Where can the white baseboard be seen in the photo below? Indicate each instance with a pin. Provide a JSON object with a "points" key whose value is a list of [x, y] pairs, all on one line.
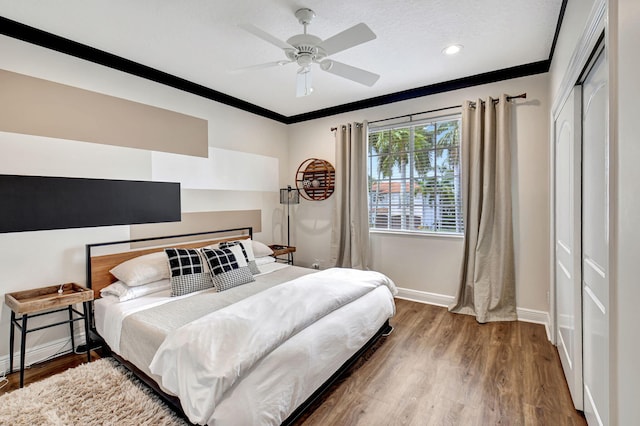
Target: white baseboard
{"points": [[425, 297], [524, 314], [40, 352], [535, 317]]}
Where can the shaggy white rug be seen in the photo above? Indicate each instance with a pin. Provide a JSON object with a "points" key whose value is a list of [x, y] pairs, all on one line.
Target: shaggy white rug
{"points": [[98, 393]]}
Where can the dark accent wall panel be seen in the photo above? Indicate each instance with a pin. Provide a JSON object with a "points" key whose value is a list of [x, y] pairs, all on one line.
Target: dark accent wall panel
{"points": [[32, 203]]}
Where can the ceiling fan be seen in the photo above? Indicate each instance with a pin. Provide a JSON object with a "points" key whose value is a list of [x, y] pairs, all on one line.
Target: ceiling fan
{"points": [[307, 49]]}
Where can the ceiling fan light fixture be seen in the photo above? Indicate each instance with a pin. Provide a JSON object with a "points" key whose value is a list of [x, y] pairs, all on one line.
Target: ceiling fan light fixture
{"points": [[326, 64], [452, 49], [304, 60]]}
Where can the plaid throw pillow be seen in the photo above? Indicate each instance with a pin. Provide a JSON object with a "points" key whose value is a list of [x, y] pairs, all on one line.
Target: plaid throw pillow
{"points": [[187, 271], [225, 268], [248, 254]]}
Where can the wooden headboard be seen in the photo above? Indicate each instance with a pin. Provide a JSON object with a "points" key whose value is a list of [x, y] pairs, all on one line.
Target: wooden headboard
{"points": [[98, 267]]}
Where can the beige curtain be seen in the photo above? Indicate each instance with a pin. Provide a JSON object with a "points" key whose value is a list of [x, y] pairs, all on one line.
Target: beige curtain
{"points": [[487, 275], [350, 227]]}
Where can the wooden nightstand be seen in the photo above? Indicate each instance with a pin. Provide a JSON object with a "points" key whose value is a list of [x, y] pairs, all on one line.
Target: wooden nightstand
{"points": [[280, 250], [44, 301]]}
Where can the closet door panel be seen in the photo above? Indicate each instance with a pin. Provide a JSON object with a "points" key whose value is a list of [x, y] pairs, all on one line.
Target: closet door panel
{"points": [[567, 243], [595, 243]]}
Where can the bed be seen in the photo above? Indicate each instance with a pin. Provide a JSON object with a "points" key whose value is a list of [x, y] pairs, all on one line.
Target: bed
{"points": [[255, 353]]}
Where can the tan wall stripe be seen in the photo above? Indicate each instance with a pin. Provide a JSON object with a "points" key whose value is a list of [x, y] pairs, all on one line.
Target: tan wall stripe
{"points": [[198, 222], [39, 107]]}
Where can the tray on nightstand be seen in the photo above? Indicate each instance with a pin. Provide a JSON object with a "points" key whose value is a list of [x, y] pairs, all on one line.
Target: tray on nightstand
{"points": [[40, 299], [281, 250], [44, 301]]}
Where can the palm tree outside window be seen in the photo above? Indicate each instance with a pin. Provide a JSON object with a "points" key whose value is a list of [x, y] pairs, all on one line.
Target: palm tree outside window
{"points": [[414, 176]]}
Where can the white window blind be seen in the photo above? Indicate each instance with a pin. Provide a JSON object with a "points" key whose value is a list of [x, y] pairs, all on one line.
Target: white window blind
{"points": [[414, 176]]}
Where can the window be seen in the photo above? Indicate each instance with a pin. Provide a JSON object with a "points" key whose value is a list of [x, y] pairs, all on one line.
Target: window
{"points": [[414, 176]]}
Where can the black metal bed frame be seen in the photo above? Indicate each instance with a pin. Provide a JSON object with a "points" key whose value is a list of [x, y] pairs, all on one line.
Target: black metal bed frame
{"points": [[248, 229], [173, 401]]}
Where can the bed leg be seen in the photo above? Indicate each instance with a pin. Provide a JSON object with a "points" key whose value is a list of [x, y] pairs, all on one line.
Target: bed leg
{"points": [[387, 331]]}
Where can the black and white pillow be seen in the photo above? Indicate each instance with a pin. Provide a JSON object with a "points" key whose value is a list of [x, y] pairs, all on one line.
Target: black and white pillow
{"points": [[228, 267], [187, 271], [247, 251]]}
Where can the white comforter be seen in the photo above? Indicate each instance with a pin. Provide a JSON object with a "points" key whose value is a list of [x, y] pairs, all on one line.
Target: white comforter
{"points": [[203, 360]]}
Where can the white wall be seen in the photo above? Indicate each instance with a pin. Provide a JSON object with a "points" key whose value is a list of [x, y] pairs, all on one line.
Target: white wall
{"points": [[431, 264], [35, 259], [625, 316]]}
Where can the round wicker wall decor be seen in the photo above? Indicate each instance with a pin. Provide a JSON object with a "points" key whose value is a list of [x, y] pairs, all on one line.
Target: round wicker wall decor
{"points": [[315, 179]]}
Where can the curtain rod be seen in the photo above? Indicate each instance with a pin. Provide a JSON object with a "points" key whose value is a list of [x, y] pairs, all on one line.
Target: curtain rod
{"points": [[520, 96], [333, 129]]}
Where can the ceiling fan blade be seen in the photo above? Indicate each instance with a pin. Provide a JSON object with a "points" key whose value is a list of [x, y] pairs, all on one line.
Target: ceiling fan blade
{"points": [[303, 82], [259, 66], [264, 35], [348, 38], [347, 71]]}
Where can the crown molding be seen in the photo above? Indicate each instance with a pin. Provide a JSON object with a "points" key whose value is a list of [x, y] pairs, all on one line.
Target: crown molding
{"points": [[51, 41]]}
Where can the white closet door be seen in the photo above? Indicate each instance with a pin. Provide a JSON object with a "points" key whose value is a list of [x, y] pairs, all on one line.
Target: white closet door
{"points": [[595, 243], [568, 290]]}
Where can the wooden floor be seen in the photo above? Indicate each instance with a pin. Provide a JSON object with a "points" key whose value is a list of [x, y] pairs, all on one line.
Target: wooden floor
{"points": [[436, 368]]}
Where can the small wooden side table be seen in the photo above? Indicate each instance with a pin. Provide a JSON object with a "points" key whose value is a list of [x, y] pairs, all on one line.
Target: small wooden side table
{"points": [[279, 250], [33, 303]]}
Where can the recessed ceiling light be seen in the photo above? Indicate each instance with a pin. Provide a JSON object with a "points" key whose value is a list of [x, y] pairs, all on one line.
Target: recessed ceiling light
{"points": [[452, 49]]}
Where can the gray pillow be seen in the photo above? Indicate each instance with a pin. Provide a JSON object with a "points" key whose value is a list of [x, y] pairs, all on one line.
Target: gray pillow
{"points": [[226, 272], [187, 271]]}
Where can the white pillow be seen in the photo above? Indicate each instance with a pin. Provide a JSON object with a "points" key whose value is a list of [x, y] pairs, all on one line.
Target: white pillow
{"points": [[247, 248], [260, 249], [265, 260], [123, 292], [237, 252], [142, 269]]}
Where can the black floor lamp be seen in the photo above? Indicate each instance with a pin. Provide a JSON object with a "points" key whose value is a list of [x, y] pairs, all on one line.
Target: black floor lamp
{"points": [[289, 196]]}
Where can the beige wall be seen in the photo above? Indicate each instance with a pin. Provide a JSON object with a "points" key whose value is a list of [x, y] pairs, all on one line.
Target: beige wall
{"points": [[416, 263]]}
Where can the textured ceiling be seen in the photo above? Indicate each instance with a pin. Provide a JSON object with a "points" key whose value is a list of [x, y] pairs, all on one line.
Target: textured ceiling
{"points": [[200, 41]]}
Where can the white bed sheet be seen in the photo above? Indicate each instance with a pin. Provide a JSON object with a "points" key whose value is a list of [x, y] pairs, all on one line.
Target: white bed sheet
{"points": [[202, 360], [290, 374], [270, 393], [110, 307]]}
